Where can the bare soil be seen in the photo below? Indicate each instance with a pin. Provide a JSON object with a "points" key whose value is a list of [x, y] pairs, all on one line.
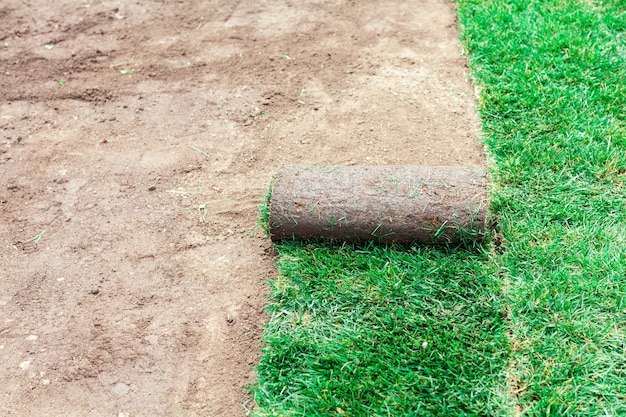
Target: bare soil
{"points": [[136, 142]]}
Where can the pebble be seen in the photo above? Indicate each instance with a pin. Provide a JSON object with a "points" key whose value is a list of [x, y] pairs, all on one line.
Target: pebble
{"points": [[120, 389]]}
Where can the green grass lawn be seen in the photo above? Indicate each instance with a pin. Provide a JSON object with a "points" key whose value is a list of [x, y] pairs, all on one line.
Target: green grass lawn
{"points": [[553, 107], [533, 326], [378, 331]]}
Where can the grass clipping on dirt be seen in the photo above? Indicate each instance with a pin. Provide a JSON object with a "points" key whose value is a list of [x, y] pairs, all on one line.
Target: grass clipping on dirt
{"points": [[387, 331]]}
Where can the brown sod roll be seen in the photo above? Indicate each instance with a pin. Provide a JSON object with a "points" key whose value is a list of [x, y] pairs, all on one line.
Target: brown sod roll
{"points": [[388, 204]]}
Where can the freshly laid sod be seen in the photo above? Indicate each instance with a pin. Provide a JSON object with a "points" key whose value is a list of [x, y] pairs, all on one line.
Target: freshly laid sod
{"points": [[533, 325], [553, 106], [382, 331]]}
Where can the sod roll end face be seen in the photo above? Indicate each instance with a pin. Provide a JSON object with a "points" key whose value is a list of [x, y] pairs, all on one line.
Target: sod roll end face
{"points": [[387, 204]]}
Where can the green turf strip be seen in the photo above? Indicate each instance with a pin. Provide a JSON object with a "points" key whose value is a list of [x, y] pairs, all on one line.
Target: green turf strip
{"points": [[553, 106], [381, 331]]}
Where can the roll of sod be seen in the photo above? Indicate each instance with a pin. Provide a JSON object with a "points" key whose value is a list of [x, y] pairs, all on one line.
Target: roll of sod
{"points": [[388, 204]]}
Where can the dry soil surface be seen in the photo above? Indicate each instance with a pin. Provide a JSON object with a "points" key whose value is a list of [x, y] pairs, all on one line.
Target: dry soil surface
{"points": [[136, 141]]}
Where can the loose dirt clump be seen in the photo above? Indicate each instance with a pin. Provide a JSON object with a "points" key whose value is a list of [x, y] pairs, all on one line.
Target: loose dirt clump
{"points": [[136, 141]]}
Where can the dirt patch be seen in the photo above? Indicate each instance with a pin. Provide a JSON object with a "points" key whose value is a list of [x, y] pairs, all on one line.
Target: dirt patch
{"points": [[136, 140]]}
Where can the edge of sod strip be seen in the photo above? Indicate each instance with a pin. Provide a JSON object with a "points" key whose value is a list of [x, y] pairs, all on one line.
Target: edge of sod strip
{"points": [[264, 209]]}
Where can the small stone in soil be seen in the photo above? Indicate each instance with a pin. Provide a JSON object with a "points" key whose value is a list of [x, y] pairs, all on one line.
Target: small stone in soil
{"points": [[120, 389]]}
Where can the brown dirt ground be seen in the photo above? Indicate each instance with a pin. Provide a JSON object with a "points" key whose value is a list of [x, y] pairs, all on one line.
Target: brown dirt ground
{"points": [[136, 140]]}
